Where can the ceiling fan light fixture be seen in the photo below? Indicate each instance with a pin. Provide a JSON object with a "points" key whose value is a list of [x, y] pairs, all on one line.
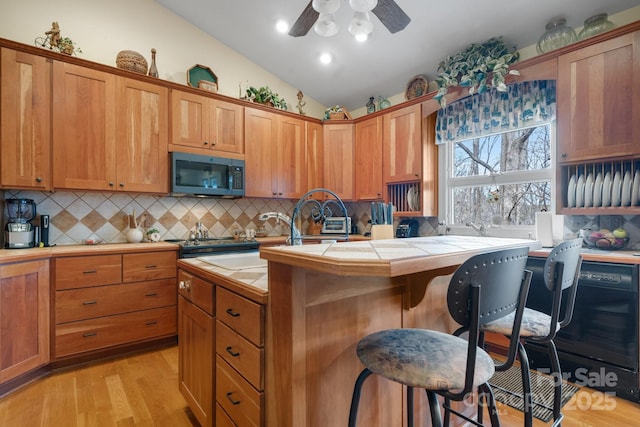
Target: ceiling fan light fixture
{"points": [[363, 5], [326, 25], [326, 6], [361, 26]]}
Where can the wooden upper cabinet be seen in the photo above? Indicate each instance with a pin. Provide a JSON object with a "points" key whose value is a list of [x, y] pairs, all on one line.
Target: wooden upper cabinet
{"points": [[261, 135], [291, 163], [368, 159], [206, 123], [598, 93], [84, 128], [25, 120], [24, 316], [338, 159], [314, 155], [142, 134], [402, 144], [275, 155]]}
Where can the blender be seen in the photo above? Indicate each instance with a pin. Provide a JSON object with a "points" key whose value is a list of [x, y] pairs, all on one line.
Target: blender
{"points": [[19, 232]]}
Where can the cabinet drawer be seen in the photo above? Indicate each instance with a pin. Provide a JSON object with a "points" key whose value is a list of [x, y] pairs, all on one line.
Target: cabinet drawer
{"points": [[148, 266], [93, 334], [87, 303], [243, 315], [197, 291], [86, 271], [240, 401], [245, 357], [222, 419]]}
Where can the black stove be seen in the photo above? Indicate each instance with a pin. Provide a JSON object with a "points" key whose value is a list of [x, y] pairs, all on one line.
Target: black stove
{"points": [[212, 246]]}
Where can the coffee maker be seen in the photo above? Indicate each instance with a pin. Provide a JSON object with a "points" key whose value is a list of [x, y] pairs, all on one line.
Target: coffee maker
{"points": [[20, 232]]}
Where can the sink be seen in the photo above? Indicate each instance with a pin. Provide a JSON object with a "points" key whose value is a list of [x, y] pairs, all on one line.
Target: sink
{"points": [[237, 261]]}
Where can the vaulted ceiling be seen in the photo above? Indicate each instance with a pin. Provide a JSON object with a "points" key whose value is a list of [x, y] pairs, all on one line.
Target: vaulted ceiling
{"points": [[384, 64]]}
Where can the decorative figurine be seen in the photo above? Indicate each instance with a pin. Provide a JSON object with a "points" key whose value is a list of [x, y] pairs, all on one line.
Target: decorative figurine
{"points": [[54, 35], [371, 106], [301, 103]]}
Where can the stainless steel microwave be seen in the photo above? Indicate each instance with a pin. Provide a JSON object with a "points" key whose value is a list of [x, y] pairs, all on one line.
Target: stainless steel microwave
{"points": [[199, 175]]}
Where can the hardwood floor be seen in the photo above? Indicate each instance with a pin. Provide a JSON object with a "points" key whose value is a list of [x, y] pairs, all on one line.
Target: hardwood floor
{"points": [[139, 390], [142, 390]]}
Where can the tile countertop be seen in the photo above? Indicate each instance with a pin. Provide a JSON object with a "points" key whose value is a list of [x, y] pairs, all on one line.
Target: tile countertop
{"points": [[18, 255], [389, 258], [619, 257]]}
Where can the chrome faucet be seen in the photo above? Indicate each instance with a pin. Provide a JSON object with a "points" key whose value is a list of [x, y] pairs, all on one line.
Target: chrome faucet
{"points": [[479, 228], [296, 237]]}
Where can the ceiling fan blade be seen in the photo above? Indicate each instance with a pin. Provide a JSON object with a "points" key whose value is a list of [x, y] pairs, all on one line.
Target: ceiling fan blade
{"points": [[305, 21], [391, 15]]}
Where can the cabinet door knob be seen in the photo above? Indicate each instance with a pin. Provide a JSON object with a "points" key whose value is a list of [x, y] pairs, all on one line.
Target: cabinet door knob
{"points": [[111, 184], [38, 179], [122, 184], [214, 142], [206, 143], [185, 285], [563, 155]]}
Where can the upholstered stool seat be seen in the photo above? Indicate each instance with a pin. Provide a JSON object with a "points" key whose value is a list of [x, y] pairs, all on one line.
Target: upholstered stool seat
{"points": [[534, 324], [422, 358]]}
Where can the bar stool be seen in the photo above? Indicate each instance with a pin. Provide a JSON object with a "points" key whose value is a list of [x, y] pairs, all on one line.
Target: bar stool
{"points": [[484, 288], [561, 274]]}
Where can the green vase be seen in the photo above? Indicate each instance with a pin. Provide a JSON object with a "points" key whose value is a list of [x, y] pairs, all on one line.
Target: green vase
{"points": [[383, 103]]}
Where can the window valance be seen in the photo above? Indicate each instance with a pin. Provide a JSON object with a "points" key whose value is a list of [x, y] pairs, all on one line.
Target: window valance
{"points": [[523, 105]]}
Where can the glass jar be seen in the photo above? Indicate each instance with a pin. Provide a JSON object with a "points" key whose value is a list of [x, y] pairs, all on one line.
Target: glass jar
{"points": [[595, 25], [383, 103], [371, 106], [558, 34]]}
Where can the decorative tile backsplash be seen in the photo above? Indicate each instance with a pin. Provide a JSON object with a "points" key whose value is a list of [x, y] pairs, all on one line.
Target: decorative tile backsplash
{"points": [[76, 216]]}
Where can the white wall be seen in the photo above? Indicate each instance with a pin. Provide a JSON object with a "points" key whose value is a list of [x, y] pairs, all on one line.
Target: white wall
{"points": [[102, 28]]}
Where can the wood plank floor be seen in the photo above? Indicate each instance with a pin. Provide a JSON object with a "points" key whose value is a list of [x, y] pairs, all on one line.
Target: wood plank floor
{"points": [[142, 390]]}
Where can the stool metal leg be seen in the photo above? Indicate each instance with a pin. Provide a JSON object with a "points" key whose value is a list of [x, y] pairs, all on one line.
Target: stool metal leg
{"points": [[434, 408], [526, 385], [557, 382], [355, 400], [491, 404], [409, 406]]}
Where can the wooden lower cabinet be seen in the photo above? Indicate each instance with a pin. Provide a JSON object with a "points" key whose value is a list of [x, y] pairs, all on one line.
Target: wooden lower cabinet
{"points": [[24, 317], [102, 301]]}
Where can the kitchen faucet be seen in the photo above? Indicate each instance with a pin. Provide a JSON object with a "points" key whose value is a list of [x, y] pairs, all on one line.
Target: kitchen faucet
{"points": [[479, 228], [296, 237]]}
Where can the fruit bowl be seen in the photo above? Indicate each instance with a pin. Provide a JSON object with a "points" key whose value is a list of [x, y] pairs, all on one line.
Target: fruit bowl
{"points": [[606, 240]]}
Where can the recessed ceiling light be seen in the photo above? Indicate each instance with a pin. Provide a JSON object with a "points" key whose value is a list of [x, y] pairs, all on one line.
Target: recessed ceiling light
{"points": [[362, 38], [282, 26], [325, 58]]}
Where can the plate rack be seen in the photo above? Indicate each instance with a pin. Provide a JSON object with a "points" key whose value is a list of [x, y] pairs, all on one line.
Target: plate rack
{"points": [[605, 188], [398, 195]]}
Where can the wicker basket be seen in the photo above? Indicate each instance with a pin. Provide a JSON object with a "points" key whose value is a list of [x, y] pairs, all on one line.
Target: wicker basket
{"points": [[336, 116], [131, 61]]}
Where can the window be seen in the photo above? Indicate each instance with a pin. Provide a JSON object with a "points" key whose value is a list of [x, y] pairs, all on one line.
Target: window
{"points": [[501, 179]]}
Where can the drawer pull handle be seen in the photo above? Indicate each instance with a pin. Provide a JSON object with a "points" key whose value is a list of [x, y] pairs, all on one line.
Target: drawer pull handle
{"points": [[89, 334], [151, 322], [185, 285], [232, 313], [89, 302], [151, 266], [233, 401], [151, 294], [90, 272], [231, 352]]}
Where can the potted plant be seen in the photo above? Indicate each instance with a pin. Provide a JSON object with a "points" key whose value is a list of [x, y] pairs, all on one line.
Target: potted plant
{"points": [[334, 113], [153, 235], [477, 67], [264, 95], [66, 45]]}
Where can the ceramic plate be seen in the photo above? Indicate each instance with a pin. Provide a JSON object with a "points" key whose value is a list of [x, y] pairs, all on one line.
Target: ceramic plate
{"points": [[606, 190], [571, 192], [616, 188], [588, 191], [412, 196], [635, 190], [580, 192], [625, 198], [597, 191]]}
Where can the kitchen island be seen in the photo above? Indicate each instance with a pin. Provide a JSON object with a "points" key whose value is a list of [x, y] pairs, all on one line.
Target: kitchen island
{"points": [[324, 298]]}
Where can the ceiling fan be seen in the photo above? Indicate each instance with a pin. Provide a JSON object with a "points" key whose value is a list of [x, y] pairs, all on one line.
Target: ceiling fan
{"points": [[319, 14]]}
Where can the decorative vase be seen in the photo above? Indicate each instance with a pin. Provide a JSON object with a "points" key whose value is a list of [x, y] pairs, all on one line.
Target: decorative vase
{"points": [[383, 103], [557, 35], [134, 235], [371, 106], [595, 25], [153, 70]]}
